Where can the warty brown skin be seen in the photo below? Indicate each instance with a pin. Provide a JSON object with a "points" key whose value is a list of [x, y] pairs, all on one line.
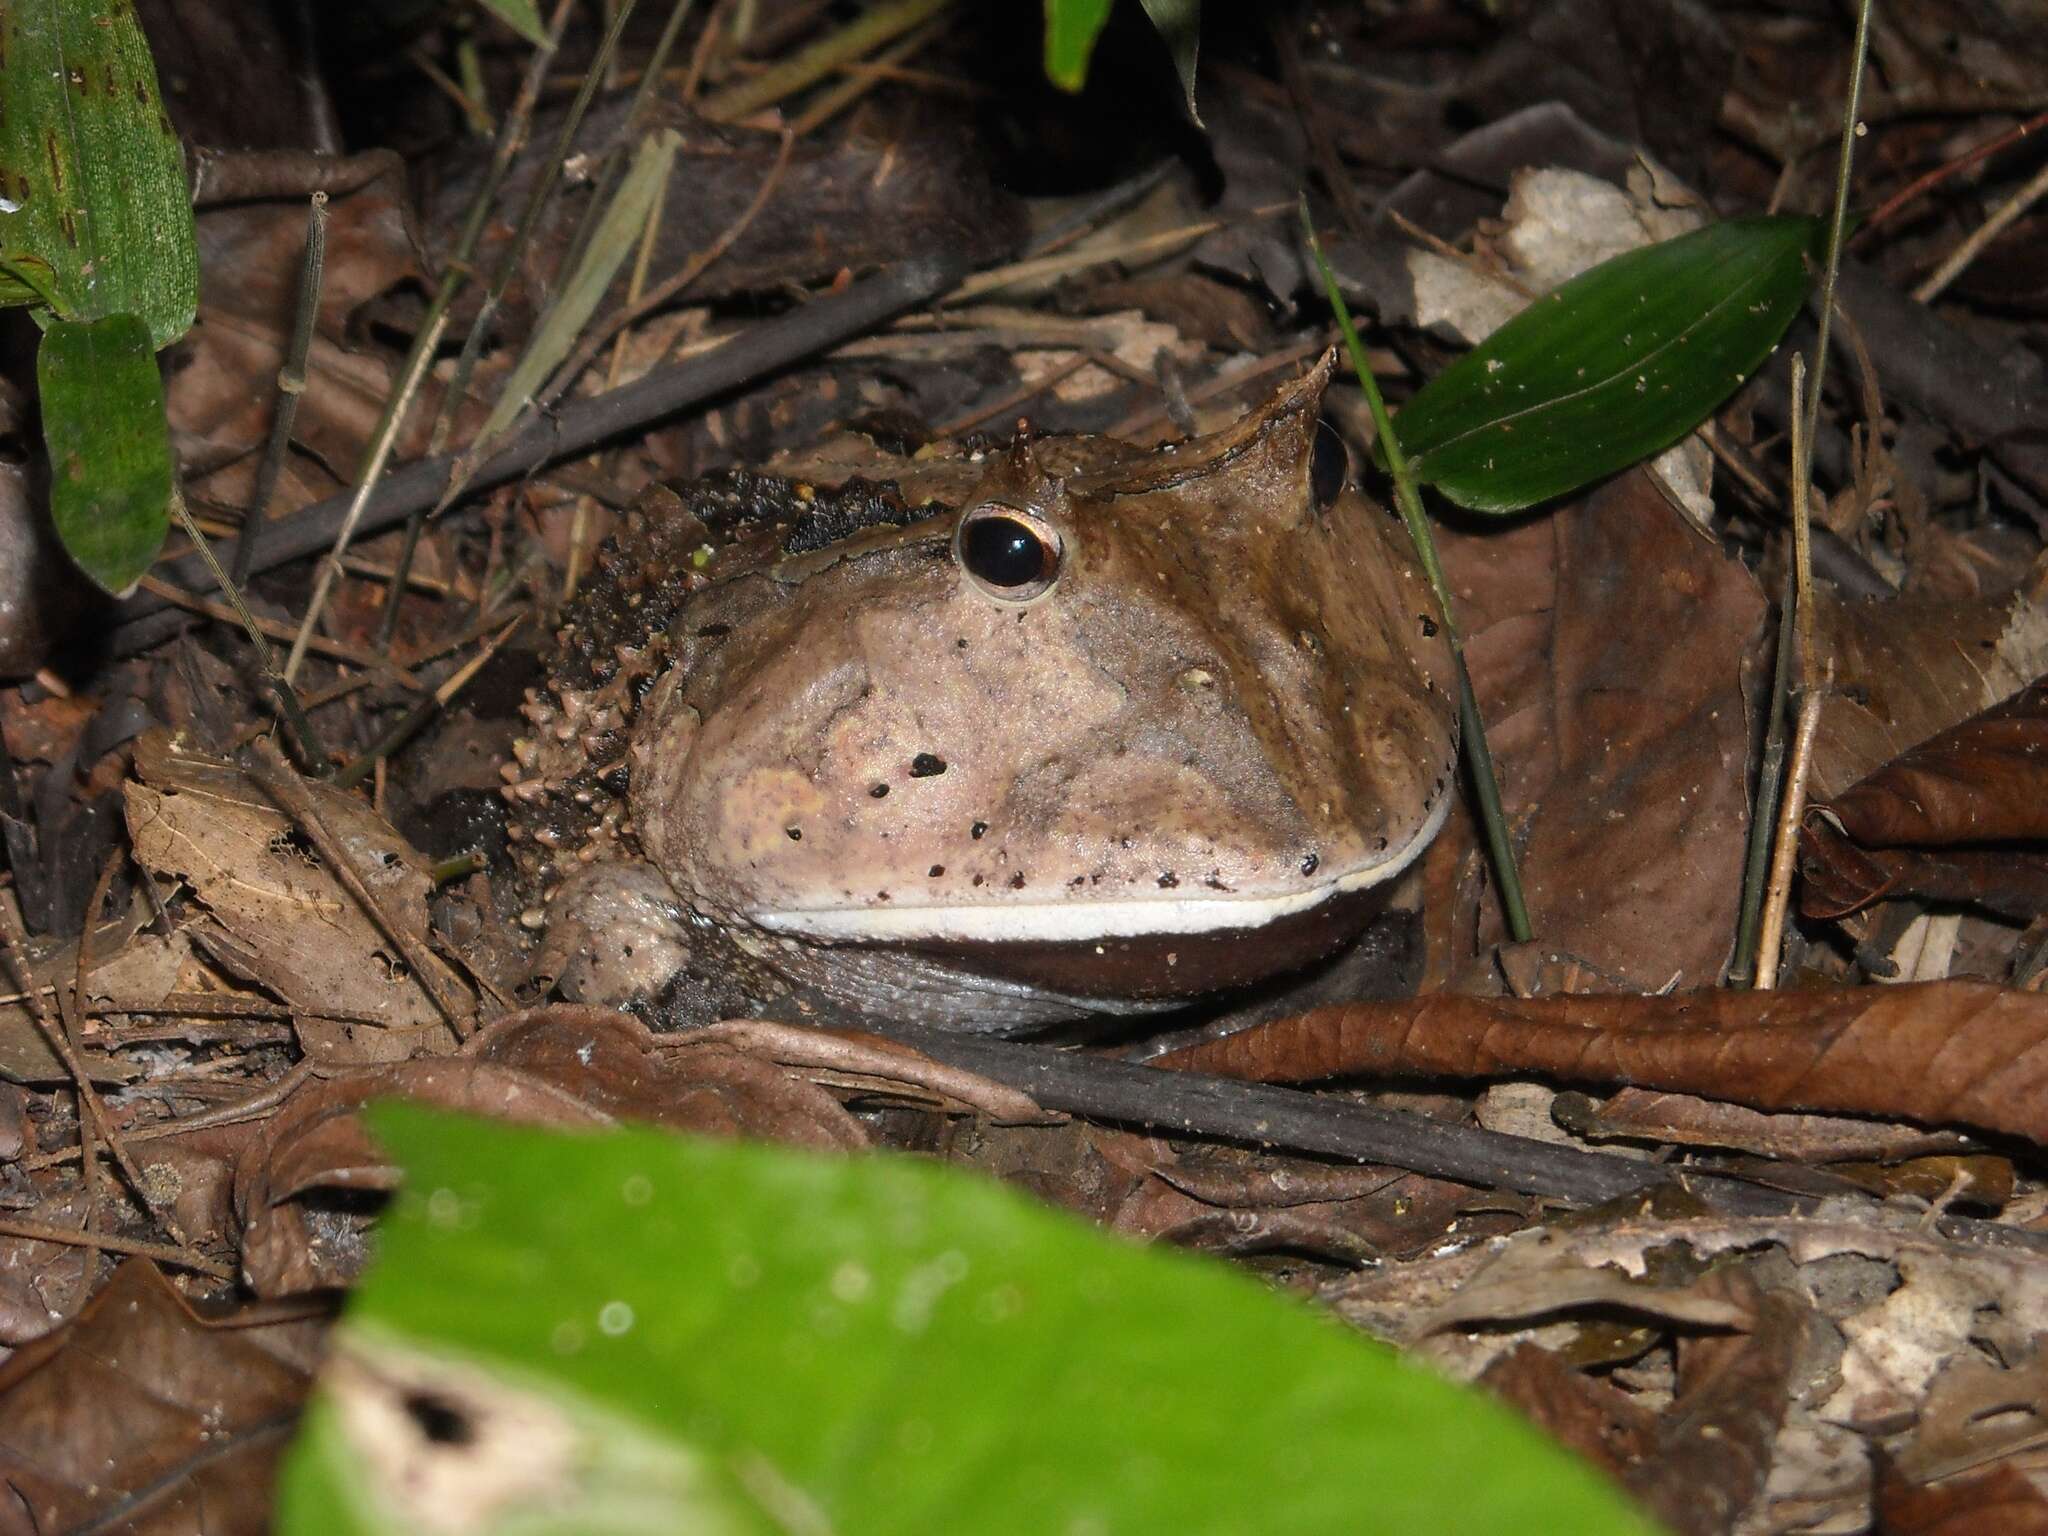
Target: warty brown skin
{"points": [[861, 783]]}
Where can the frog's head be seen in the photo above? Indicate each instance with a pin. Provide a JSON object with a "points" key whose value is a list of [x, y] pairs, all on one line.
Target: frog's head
{"points": [[1116, 704]]}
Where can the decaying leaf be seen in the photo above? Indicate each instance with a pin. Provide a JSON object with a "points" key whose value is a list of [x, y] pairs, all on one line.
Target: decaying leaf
{"points": [[1624, 765], [141, 1417], [1948, 1052], [282, 917], [1908, 828]]}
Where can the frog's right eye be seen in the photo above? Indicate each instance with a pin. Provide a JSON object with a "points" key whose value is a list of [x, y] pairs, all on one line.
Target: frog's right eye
{"points": [[1009, 554]]}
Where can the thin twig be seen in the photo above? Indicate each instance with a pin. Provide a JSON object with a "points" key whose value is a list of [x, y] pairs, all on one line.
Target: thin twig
{"points": [[423, 711], [180, 1257], [1971, 248], [89, 1102], [870, 30], [1934, 178], [412, 372], [267, 765], [291, 383], [1858, 52], [280, 685]]}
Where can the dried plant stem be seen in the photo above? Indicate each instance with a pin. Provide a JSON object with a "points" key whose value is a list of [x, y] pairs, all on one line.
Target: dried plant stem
{"points": [[291, 383], [511, 139], [1858, 52], [280, 685], [1785, 847], [871, 30], [1934, 178], [1409, 500], [181, 1256], [1770, 780], [90, 1105], [424, 710], [2000, 220], [267, 765]]}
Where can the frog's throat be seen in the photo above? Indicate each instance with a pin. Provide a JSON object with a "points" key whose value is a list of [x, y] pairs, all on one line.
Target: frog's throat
{"points": [[1081, 920]]}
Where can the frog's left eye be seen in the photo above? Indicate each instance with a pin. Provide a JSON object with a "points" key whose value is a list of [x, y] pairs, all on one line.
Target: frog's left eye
{"points": [[1009, 554]]}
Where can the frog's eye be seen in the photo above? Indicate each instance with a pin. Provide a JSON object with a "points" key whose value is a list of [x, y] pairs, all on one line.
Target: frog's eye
{"points": [[1009, 554], [1329, 464]]}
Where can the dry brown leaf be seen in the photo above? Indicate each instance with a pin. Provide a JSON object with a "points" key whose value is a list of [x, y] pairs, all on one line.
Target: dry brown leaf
{"points": [[293, 927], [138, 1417], [2003, 1500], [1906, 669], [1983, 781], [1593, 1417], [1682, 1119], [1714, 1445], [1946, 1052], [1623, 764]]}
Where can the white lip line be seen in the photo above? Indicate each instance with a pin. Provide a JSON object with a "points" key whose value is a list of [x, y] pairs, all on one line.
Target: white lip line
{"points": [[1079, 921]]}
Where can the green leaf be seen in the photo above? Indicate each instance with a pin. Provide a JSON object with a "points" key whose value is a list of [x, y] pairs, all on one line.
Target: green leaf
{"points": [[522, 16], [1071, 27], [862, 1345], [1180, 26], [110, 452], [92, 179], [609, 246], [1619, 363]]}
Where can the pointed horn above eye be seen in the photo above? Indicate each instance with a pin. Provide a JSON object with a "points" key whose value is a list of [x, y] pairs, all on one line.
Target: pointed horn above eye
{"points": [[1282, 427]]}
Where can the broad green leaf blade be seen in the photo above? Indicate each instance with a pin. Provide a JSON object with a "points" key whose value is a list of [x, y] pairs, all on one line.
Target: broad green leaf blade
{"points": [[609, 246], [1071, 27], [522, 16], [881, 1344], [1617, 364], [110, 452], [1180, 27], [93, 177]]}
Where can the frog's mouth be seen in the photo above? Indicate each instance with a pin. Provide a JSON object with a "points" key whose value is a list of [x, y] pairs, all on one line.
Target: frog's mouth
{"points": [[1083, 921]]}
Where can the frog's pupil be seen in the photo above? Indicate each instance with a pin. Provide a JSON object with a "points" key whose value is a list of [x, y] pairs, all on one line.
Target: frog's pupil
{"points": [[1329, 463], [1004, 552]]}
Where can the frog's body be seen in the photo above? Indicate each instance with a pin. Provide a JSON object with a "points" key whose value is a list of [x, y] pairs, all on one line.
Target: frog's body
{"points": [[1071, 728]]}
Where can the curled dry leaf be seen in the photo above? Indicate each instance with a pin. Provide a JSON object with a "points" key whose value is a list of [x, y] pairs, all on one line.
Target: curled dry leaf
{"points": [[138, 1416], [1685, 1120], [1948, 1052], [563, 1066], [1983, 781]]}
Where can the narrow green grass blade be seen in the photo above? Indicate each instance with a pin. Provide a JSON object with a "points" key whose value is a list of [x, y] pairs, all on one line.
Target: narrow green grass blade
{"points": [[522, 16], [882, 1344], [1071, 27], [92, 179], [610, 244], [110, 452], [1617, 364]]}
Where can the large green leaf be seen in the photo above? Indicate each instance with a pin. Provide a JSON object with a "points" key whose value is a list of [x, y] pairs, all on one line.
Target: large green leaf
{"points": [[92, 175], [110, 453], [1617, 364], [869, 1344]]}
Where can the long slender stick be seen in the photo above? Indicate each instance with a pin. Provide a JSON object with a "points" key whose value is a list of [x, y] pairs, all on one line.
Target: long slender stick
{"points": [[1409, 500], [291, 383], [1858, 52], [511, 138]]}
